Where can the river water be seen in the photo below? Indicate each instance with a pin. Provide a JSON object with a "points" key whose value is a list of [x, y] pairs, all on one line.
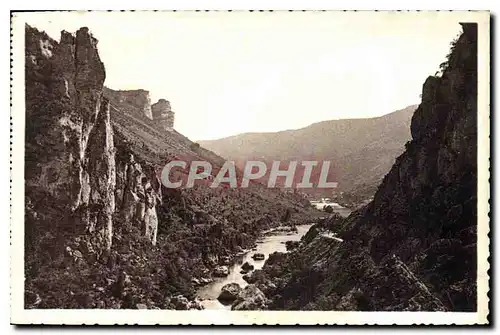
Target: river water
{"points": [[208, 294], [271, 243], [335, 206]]}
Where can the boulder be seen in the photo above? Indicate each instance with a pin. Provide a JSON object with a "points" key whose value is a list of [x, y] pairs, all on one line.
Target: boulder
{"points": [[257, 276], [328, 209], [221, 271], [247, 267], [229, 292], [258, 256], [250, 299]]}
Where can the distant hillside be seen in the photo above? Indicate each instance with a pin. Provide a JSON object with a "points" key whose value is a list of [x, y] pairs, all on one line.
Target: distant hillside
{"points": [[361, 150]]}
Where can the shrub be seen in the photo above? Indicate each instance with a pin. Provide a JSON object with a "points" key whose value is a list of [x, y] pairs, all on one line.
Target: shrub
{"points": [[194, 147]]}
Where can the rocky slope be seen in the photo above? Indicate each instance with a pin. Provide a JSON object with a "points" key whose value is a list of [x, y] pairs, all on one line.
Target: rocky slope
{"points": [[361, 150], [414, 246], [101, 230]]}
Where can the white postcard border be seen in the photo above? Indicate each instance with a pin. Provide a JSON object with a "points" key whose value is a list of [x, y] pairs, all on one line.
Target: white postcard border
{"points": [[19, 315]]}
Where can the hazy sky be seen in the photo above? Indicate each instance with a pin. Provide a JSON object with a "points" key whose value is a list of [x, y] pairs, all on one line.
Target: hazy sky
{"points": [[228, 73]]}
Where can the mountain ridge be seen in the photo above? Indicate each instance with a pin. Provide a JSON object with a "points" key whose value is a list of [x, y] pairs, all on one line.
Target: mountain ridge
{"points": [[310, 125], [361, 150]]}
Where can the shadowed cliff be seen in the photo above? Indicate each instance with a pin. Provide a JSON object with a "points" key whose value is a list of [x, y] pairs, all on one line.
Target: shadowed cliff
{"points": [[414, 246]]}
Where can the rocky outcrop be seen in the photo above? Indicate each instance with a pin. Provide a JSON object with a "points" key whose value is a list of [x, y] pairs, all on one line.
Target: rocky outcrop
{"points": [[98, 214], [250, 299], [229, 292], [138, 101], [163, 114], [414, 246], [138, 192], [69, 139], [247, 267], [70, 145]]}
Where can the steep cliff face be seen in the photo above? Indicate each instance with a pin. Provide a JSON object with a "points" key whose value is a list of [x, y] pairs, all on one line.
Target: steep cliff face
{"points": [[69, 140], [138, 192], [162, 113], [72, 172], [138, 101], [70, 145], [101, 230], [414, 246]]}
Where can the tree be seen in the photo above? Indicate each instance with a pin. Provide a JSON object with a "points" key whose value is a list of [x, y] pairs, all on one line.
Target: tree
{"points": [[194, 147]]}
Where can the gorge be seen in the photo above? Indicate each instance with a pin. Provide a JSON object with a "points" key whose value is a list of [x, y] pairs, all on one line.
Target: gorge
{"points": [[412, 248], [102, 231]]}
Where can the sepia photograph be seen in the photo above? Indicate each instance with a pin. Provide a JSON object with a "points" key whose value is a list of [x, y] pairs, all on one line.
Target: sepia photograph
{"points": [[236, 167]]}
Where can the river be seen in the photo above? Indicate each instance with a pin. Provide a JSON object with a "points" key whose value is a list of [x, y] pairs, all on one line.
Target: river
{"points": [[268, 244], [335, 206], [208, 294]]}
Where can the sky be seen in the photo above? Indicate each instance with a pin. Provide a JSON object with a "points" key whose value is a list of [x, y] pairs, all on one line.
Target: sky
{"points": [[229, 73]]}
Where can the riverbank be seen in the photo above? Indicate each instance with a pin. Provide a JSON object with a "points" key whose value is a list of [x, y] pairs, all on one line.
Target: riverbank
{"points": [[271, 241]]}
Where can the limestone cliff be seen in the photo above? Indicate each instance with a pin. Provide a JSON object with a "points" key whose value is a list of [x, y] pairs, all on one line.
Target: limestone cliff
{"points": [[414, 246], [69, 140], [70, 143], [162, 113], [138, 101]]}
